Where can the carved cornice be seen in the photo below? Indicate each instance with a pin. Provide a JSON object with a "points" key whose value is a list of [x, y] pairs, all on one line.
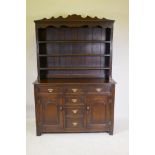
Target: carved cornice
{"points": [[74, 17], [74, 21]]}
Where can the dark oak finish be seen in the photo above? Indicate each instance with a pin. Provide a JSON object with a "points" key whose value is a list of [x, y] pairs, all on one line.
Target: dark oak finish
{"points": [[74, 91]]}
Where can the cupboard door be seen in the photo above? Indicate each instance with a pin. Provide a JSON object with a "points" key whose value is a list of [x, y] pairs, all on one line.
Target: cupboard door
{"points": [[51, 114], [98, 112]]}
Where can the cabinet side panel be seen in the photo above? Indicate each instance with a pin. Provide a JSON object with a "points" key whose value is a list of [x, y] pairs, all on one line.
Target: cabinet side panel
{"points": [[37, 111], [112, 109]]}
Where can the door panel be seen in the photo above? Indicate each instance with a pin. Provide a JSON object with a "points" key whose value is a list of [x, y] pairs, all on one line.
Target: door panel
{"points": [[98, 115], [98, 112], [51, 111]]}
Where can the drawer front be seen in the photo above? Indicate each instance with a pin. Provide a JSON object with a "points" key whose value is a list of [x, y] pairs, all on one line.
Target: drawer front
{"points": [[50, 90], [74, 112], [97, 89], [74, 100], [74, 90], [98, 98], [74, 123]]}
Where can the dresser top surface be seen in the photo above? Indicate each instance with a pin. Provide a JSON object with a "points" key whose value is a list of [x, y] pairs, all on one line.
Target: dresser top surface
{"points": [[77, 80]]}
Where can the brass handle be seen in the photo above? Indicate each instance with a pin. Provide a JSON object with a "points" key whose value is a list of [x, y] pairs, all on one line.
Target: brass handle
{"points": [[75, 111], [88, 108], [98, 89], [50, 90], [74, 123], [74, 100], [74, 90], [61, 108]]}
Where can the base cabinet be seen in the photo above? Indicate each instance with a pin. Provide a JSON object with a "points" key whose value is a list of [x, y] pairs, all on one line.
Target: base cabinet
{"points": [[74, 108]]}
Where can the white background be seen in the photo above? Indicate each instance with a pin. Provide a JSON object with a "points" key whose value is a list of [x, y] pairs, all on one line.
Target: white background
{"points": [[13, 82]]}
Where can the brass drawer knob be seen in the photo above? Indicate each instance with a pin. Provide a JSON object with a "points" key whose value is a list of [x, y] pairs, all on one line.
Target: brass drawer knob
{"points": [[74, 100], [61, 108], [75, 111], [74, 123], [74, 90], [50, 90], [98, 89], [88, 108]]}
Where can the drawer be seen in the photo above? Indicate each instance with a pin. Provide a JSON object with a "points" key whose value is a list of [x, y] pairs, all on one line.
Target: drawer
{"points": [[74, 90], [74, 112], [106, 88], [46, 100], [74, 100], [99, 99], [74, 123], [50, 90]]}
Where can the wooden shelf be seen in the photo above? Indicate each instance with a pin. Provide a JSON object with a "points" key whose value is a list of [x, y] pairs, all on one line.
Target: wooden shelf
{"points": [[74, 68], [71, 76], [61, 55], [78, 51], [74, 41]]}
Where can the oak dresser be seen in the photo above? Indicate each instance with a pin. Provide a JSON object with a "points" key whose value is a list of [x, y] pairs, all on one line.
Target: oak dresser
{"points": [[74, 91]]}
